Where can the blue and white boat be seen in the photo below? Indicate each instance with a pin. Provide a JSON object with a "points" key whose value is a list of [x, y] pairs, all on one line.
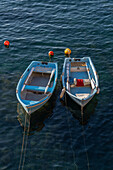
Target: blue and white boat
{"points": [[79, 80], [36, 85]]}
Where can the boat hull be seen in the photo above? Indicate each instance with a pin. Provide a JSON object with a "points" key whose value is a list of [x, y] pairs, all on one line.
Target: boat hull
{"points": [[31, 109], [82, 103], [79, 79], [36, 85]]}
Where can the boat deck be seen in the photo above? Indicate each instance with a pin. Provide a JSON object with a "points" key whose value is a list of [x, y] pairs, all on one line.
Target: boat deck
{"points": [[80, 73], [81, 90], [36, 82], [33, 96], [39, 79]]}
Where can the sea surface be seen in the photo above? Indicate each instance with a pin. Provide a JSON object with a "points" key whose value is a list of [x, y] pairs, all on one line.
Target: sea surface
{"points": [[58, 138]]}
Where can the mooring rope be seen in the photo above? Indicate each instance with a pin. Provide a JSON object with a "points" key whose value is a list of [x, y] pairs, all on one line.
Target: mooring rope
{"points": [[84, 139], [23, 141], [26, 144], [70, 136]]}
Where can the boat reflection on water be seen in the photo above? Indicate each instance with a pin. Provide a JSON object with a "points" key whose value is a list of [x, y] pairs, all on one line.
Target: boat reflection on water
{"points": [[36, 119], [75, 109]]}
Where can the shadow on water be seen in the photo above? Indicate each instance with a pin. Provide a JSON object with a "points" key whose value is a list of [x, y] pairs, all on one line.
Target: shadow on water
{"points": [[75, 109], [36, 119]]}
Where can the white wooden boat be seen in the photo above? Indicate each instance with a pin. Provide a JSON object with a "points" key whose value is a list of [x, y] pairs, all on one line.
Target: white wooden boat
{"points": [[79, 80], [36, 85]]}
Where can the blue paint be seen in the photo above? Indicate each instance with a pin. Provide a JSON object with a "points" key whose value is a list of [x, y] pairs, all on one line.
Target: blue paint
{"points": [[79, 75], [37, 88]]}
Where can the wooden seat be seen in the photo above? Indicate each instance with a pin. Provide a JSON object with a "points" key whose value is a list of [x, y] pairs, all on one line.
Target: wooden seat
{"points": [[36, 88], [78, 69], [43, 69], [82, 95], [75, 64]]}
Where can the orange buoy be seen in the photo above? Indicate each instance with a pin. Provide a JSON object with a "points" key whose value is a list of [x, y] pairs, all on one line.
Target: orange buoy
{"points": [[67, 52], [51, 53], [6, 43]]}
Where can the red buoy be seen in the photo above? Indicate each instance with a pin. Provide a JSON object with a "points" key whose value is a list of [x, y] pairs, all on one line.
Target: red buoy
{"points": [[51, 53], [6, 43]]}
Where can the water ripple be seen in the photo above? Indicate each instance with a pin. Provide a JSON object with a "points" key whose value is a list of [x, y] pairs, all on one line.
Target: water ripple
{"points": [[34, 28]]}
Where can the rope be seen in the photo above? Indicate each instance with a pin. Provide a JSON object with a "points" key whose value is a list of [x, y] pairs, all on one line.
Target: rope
{"points": [[70, 136], [22, 144], [26, 143], [84, 139], [23, 149]]}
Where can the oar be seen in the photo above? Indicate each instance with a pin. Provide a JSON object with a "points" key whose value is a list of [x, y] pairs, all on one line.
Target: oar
{"points": [[52, 73], [62, 93]]}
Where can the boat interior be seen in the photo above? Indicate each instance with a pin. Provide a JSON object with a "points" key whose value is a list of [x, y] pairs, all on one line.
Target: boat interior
{"points": [[79, 80], [36, 83]]}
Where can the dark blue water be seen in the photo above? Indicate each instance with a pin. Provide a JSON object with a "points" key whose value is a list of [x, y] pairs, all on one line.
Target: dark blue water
{"points": [[58, 140]]}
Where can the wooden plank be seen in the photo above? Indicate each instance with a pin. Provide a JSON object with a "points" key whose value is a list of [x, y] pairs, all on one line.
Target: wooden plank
{"points": [[78, 64], [52, 73], [82, 95], [29, 75], [36, 88], [27, 78], [43, 69], [78, 69]]}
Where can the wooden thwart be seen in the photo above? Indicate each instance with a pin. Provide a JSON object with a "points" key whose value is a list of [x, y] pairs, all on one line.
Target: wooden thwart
{"points": [[81, 96], [78, 64], [78, 69], [36, 88], [43, 69]]}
